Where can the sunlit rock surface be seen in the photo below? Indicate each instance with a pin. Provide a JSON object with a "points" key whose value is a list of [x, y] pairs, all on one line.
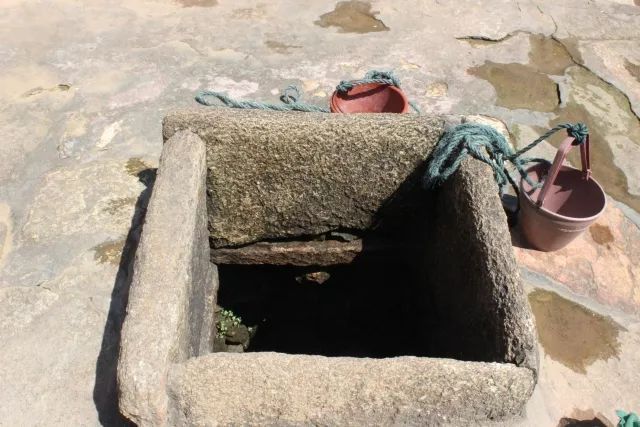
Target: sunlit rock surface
{"points": [[81, 103]]}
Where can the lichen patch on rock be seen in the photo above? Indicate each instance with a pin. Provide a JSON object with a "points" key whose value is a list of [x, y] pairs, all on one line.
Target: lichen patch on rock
{"points": [[109, 251]]}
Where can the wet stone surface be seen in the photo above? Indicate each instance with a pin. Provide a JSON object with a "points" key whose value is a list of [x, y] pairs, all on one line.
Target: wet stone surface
{"points": [[280, 47], [548, 55], [601, 234], [109, 251], [572, 334], [527, 86], [519, 86], [584, 97], [353, 16], [633, 69], [198, 3], [614, 132], [82, 100]]}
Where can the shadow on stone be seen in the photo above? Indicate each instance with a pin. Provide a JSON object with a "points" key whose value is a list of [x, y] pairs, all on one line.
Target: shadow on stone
{"points": [[370, 307], [105, 394], [518, 240], [572, 422]]}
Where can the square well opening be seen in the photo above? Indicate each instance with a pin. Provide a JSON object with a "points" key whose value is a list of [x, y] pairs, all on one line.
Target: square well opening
{"points": [[361, 309], [381, 304], [250, 229]]}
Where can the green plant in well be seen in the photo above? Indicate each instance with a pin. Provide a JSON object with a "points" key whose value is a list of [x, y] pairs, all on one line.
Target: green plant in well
{"points": [[226, 320]]}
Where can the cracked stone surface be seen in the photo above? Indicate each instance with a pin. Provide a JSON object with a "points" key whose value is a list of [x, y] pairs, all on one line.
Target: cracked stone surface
{"points": [[82, 99]]}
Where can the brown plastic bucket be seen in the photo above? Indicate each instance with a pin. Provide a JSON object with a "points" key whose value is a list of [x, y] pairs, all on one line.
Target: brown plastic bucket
{"points": [[569, 201], [370, 98]]}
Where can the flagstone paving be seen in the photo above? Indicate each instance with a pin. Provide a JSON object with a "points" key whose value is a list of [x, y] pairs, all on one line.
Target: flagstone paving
{"points": [[83, 90]]}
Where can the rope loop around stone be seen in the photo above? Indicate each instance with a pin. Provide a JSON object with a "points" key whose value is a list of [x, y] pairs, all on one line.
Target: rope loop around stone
{"points": [[486, 144]]}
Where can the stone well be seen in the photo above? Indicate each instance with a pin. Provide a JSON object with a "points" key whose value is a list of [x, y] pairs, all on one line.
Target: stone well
{"points": [[247, 188]]}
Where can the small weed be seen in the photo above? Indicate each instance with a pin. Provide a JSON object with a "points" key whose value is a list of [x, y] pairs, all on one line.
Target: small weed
{"points": [[226, 320]]}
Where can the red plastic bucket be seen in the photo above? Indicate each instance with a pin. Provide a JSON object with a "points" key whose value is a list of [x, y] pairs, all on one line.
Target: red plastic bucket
{"points": [[569, 201], [370, 98]]}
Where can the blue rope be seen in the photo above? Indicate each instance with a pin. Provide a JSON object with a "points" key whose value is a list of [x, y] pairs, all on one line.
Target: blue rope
{"points": [[489, 146], [291, 95]]}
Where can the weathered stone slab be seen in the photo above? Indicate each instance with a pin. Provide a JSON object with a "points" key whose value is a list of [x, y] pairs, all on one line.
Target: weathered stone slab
{"points": [[328, 252], [170, 308], [314, 390], [473, 272], [277, 175]]}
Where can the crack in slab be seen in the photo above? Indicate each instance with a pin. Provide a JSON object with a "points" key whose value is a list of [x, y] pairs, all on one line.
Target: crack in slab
{"points": [[555, 24], [608, 83], [550, 55], [570, 54], [492, 39]]}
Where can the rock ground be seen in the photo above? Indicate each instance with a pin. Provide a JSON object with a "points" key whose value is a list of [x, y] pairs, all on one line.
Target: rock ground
{"points": [[84, 87]]}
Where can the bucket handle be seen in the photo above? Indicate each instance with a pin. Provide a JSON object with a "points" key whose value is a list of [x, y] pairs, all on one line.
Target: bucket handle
{"points": [[561, 155]]}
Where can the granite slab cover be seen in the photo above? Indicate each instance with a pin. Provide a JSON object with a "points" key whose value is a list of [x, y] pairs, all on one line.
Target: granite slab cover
{"points": [[305, 173], [167, 375]]}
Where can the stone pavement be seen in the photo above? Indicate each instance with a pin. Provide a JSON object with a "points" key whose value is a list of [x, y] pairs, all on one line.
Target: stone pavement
{"points": [[84, 87]]}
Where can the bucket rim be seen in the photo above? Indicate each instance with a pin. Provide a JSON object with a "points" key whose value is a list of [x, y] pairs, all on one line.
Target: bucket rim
{"points": [[555, 215], [335, 106]]}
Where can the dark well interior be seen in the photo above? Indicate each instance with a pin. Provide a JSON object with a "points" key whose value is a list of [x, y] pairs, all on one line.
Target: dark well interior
{"points": [[375, 306], [364, 309], [447, 284], [430, 294]]}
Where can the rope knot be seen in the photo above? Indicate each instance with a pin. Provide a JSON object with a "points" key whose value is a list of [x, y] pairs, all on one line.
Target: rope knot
{"points": [[383, 75], [373, 76], [290, 95], [579, 131], [345, 86]]}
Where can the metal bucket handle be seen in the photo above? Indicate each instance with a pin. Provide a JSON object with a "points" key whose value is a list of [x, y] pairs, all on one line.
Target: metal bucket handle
{"points": [[563, 150]]}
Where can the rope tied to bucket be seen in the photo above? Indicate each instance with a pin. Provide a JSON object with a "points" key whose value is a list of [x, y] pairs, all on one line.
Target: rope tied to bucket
{"points": [[291, 95], [374, 76], [486, 144]]}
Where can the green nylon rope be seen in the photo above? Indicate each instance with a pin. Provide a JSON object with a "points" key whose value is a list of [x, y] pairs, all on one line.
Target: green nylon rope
{"points": [[489, 146], [479, 141], [290, 102], [374, 76], [630, 419], [291, 96]]}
